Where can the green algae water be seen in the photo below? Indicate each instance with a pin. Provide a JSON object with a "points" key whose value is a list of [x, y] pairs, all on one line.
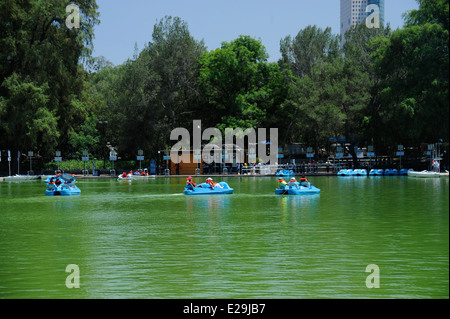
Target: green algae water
{"points": [[146, 239]]}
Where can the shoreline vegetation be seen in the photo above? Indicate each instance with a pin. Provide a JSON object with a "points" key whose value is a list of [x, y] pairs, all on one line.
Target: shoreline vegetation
{"points": [[377, 87]]}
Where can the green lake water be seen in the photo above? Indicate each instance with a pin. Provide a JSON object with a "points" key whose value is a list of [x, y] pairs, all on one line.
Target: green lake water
{"points": [[145, 239]]}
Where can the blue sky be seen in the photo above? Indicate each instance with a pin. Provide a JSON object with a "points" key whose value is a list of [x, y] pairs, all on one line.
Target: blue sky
{"points": [[126, 23]]}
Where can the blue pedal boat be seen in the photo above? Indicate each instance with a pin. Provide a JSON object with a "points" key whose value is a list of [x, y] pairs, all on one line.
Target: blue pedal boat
{"points": [[302, 189], [62, 185], [286, 172], [390, 172], [359, 172], [404, 171], [376, 172], [345, 172], [206, 189]]}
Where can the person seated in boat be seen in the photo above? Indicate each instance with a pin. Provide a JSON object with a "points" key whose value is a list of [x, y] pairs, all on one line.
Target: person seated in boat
{"points": [[57, 177], [293, 182], [52, 180], [124, 175], [282, 183], [145, 172], [211, 183], [190, 184], [218, 185], [304, 181]]}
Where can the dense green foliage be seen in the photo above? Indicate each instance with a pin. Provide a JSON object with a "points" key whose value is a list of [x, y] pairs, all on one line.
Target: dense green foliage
{"points": [[412, 66], [41, 78], [380, 87], [239, 85]]}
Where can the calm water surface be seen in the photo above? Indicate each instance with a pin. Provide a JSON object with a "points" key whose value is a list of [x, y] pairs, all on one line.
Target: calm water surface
{"points": [[146, 239]]}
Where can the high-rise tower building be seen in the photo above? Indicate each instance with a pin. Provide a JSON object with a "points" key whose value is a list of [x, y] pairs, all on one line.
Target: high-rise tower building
{"points": [[353, 12]]}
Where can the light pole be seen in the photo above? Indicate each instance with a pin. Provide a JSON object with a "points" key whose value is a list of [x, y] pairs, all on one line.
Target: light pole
{"points": [[30, 156], [103, 140]]}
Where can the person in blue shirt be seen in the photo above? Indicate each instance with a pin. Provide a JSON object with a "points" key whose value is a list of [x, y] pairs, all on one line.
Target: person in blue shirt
{"points": [[190, 184]]}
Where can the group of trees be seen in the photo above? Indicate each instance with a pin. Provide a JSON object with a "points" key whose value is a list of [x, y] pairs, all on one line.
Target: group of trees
{"points": [[42, 80], [376, 86]]}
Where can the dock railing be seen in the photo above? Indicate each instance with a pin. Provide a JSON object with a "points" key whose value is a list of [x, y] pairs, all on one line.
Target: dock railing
{"points": [[259, 170]]}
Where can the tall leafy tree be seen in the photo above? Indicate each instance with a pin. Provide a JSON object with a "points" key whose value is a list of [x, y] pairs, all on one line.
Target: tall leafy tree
{"points": [[171, 58], [333, 93], [413, 66], [134, 112], [151, 94], [239, 85], [102, 94], [40, 54], [357, 51], [310, 46], [27, 121]]}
